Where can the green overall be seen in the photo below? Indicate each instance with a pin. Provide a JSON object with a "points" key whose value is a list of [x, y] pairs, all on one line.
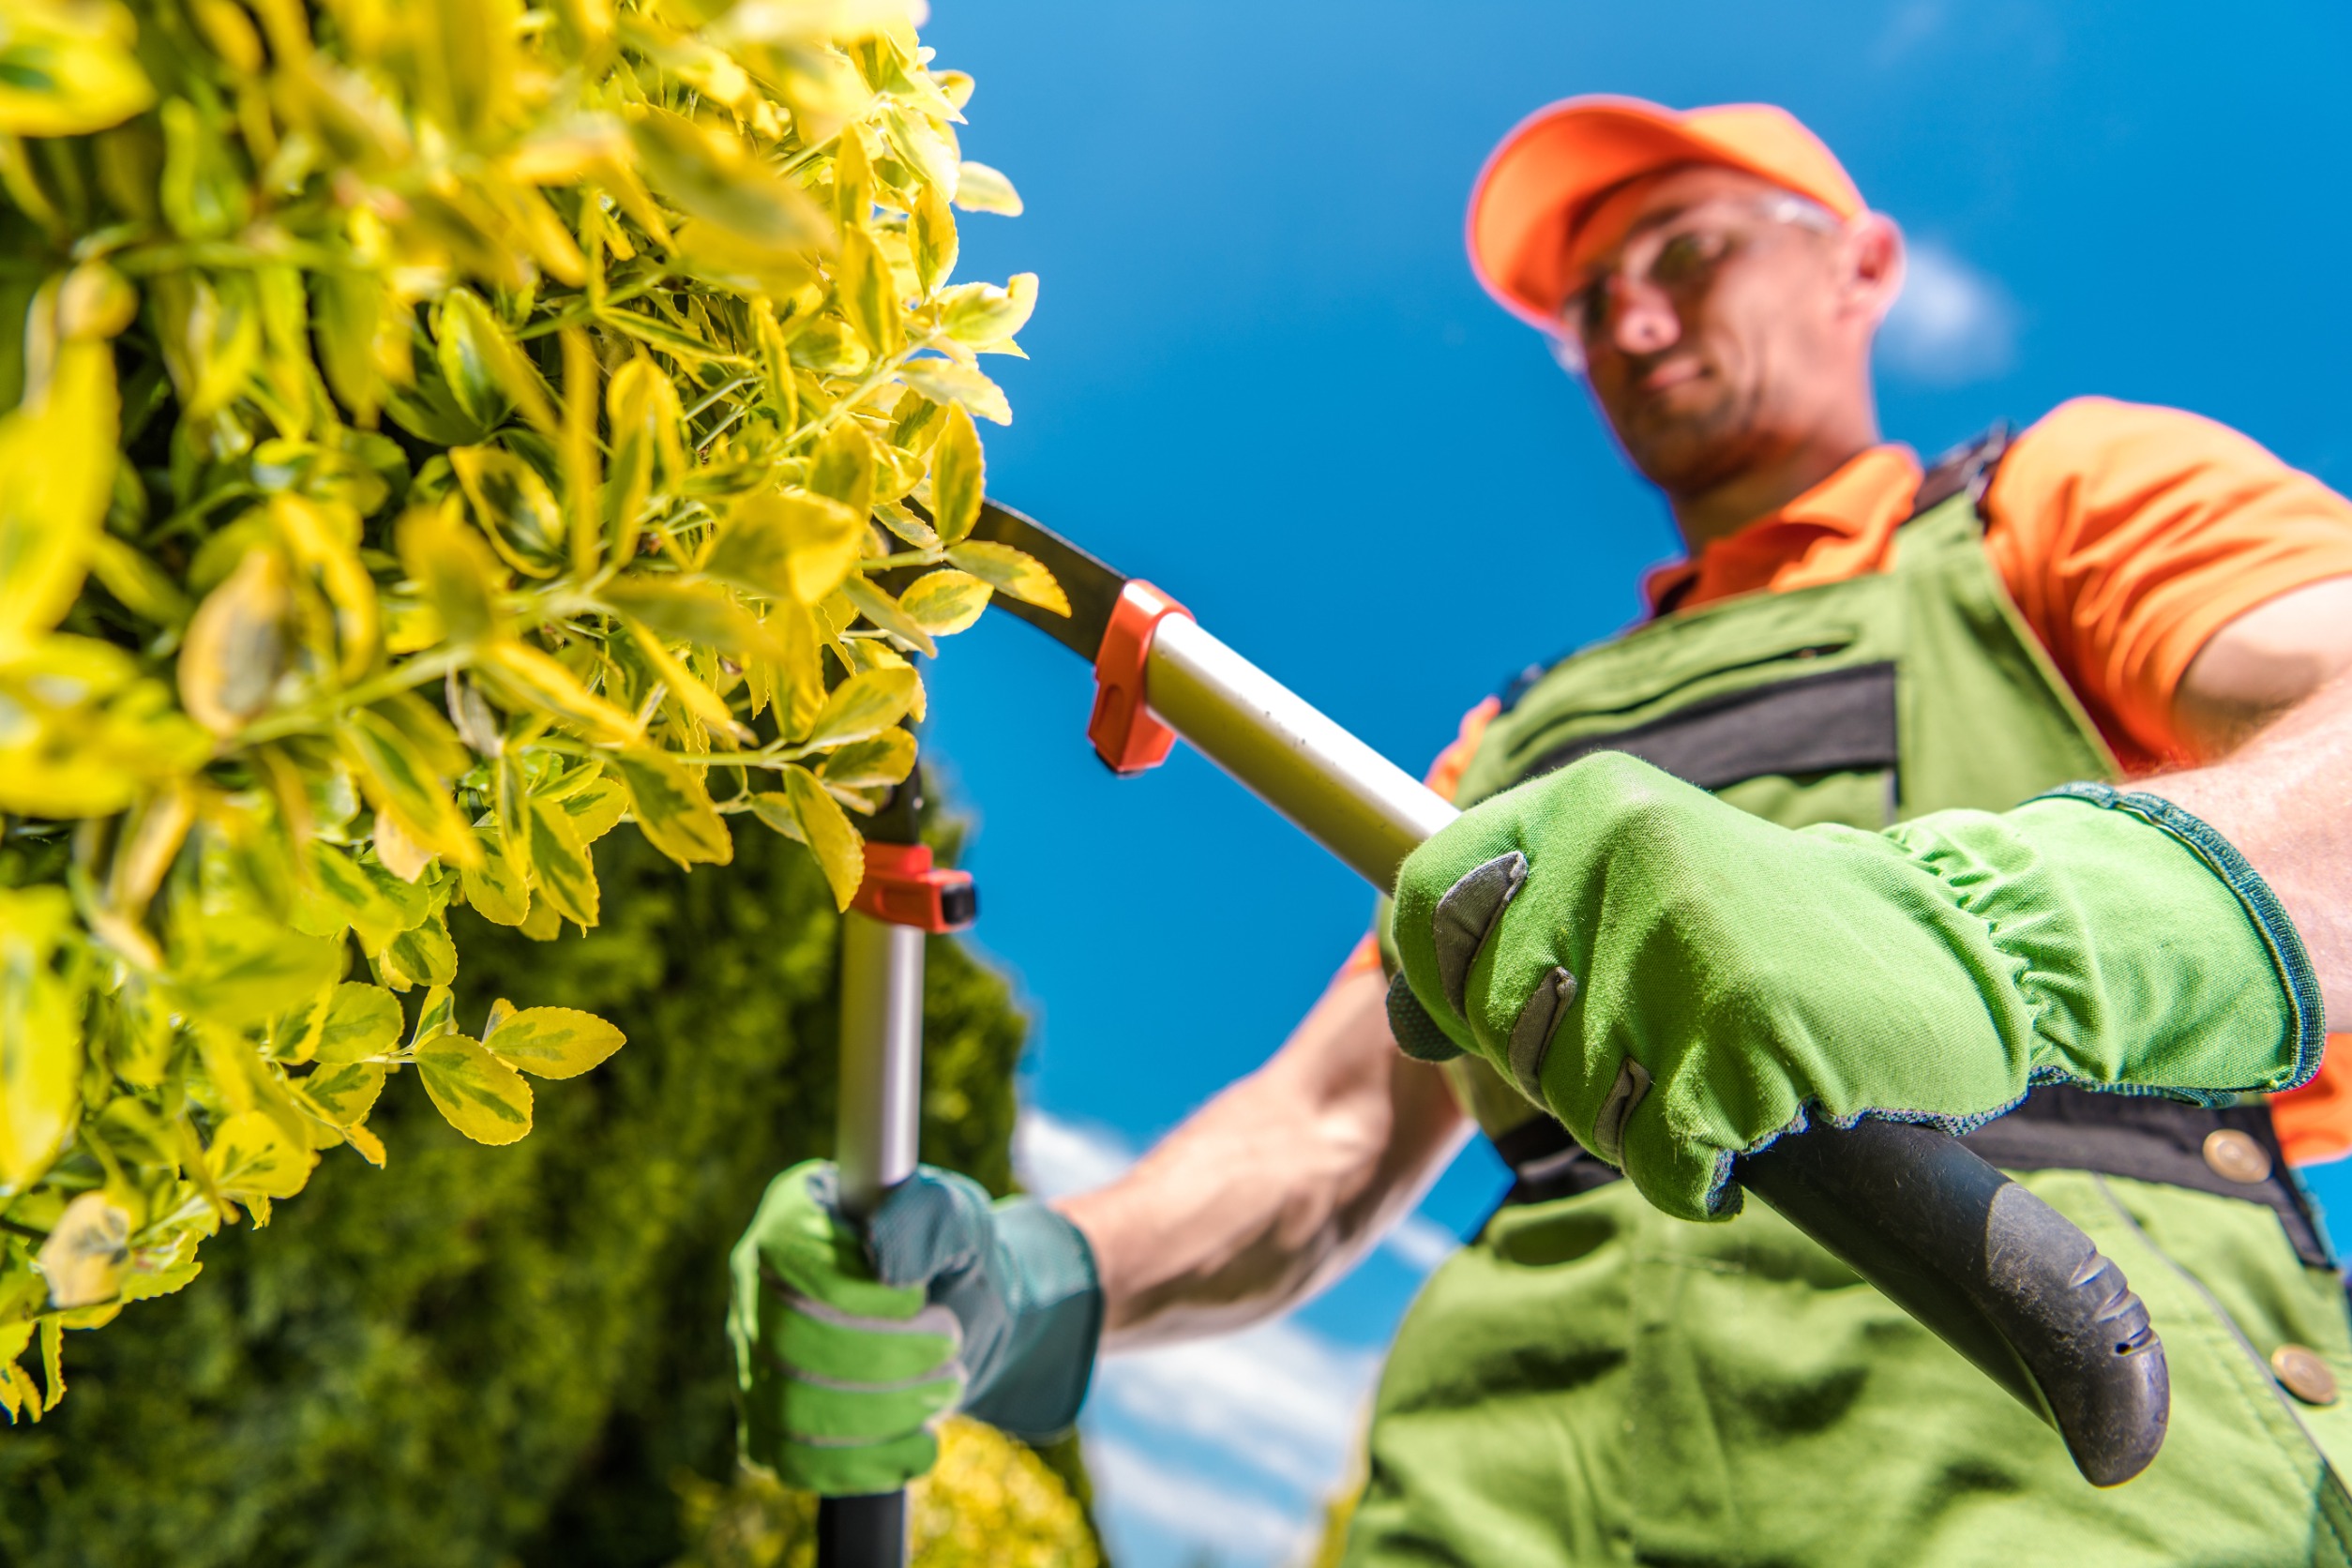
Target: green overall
{"points": [[1592, 1383]]}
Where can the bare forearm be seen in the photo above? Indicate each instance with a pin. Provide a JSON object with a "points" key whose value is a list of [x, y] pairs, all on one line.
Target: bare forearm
{"points": [[2282, 801], [1275, 1187]]}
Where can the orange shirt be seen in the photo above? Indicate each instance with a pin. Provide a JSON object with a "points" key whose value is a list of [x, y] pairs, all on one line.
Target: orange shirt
{"points": [[2128, 535]]}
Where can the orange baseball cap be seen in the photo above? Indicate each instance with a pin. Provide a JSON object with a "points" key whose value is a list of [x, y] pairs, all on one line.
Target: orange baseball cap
{"points": [[1543, 178]]}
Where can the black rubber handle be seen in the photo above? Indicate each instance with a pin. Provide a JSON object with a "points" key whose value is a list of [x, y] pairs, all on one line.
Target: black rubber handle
{"points": [[1997, 1273], [867, 1532]]}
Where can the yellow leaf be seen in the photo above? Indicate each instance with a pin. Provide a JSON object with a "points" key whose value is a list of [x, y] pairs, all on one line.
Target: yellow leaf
{"points": [[323, 539], [454, 570], [252, 1157], [786, 544], [824, 827], [943, 381], [1014, 572], [361, 1022], [981, 189], [861, 706], [235, 649], [703, 614], [709, 173], [672, 806], [981, 316], [482, 1097], [567, 876], [399, 776], [497, 892], [842, 467], [88, 1252], [57, 449], [869, 297], [691, 693], [67, 69], [402, 855], [515, 507], [932, 231], [960, 476], [876, 605], [871, 764], [945, 601], [528, 678], [345, 1094], [551, 1042], [370, 1147]]}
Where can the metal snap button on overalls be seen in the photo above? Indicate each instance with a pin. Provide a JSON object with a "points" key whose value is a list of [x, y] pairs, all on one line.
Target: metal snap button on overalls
{"points": [[2236, 1157]]}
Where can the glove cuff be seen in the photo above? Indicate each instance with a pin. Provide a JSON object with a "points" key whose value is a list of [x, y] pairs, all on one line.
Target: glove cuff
{"points": [[2307, 1023], [1056, 1300]]}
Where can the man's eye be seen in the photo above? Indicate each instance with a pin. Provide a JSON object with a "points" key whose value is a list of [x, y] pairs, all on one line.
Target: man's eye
{"points": [[1687, 256]]}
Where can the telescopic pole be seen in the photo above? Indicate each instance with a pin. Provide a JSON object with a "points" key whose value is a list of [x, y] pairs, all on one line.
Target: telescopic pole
{"points": [[878, 1131]]}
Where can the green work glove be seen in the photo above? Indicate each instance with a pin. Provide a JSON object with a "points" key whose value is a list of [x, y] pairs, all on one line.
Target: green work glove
{"points": [[1679, 983], [852, 1342]]}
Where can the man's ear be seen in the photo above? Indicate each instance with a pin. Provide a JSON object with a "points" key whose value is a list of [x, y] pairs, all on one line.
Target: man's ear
{"points": [[1873, 259]]}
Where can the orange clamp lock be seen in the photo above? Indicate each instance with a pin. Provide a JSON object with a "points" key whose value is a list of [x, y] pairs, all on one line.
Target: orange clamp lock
{"points": [[903, 888], [1127, 736]]}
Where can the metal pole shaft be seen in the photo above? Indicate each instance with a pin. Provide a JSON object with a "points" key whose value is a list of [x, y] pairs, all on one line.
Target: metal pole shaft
{"points": [[1349, 798], [879, 1127]]}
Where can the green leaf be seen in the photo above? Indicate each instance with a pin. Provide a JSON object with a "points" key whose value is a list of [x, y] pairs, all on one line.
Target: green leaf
{"points": [[960, 476], [565, 874], [1012, 571], [824, 827], [595, 803], [861, 706], [552, 1042], [869, 764], [527, 678], [945, 601], [943, 381], [842, 467], [482, 1097], [981, 189], [674, 810], [703, 614], [237, 644], [361, 1022]]}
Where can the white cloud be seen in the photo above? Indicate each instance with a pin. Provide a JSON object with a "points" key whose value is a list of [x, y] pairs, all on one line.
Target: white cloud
{"points": [[1954, 324], [1188, 1507], [1055, 1159], [1280, 1397]]}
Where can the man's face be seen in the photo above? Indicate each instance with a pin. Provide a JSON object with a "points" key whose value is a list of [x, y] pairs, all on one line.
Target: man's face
{"points": [[1704, 367]]}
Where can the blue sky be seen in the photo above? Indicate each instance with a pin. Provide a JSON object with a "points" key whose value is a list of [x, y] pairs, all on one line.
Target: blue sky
{"points": [[1263, 378]]}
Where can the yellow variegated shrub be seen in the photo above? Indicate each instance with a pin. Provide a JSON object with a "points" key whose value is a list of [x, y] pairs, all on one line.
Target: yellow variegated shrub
{"points": [[438, 432]]}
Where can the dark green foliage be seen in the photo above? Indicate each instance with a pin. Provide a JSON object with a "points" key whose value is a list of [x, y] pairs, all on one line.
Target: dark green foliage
{"points": [[493, 1356]]}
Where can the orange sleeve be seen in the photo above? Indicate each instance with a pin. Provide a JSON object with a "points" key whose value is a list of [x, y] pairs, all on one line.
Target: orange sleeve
{"points": [[1444, 776], [2130, 535], [2315, 1122]]}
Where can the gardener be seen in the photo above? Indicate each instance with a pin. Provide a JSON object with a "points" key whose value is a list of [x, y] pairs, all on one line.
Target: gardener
{"points": [[1644, 1370]]}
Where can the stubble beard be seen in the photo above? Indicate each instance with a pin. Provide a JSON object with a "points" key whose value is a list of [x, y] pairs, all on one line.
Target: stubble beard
{"points": [[1691, 451]]}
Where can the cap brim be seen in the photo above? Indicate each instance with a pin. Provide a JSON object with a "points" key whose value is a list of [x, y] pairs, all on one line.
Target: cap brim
{"points": [[1546, 173]]}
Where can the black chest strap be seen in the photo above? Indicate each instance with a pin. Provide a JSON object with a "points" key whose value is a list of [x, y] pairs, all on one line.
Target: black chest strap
{"points": [[2056, 1128]]}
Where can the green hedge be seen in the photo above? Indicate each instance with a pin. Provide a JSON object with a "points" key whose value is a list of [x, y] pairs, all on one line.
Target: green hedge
{"points": [[512, 1355]]}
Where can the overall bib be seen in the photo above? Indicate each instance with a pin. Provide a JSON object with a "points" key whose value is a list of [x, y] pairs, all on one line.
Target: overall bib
{"points": [[1592, 1383]]}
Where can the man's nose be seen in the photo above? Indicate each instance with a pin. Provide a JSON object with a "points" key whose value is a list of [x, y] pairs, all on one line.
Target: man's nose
{"points": [[1641, 317]]}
